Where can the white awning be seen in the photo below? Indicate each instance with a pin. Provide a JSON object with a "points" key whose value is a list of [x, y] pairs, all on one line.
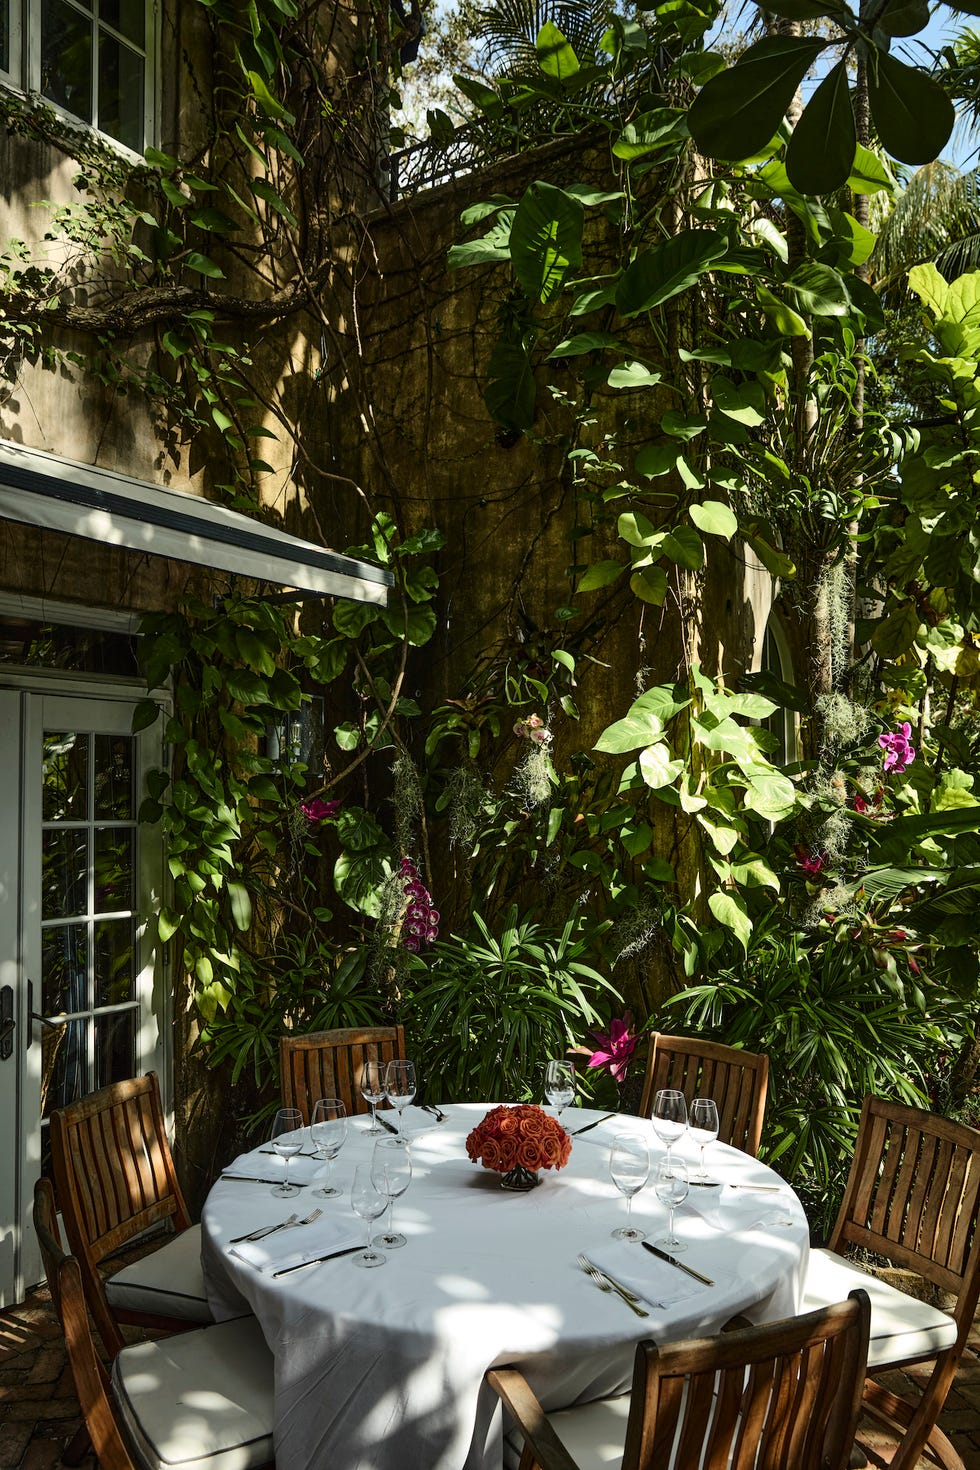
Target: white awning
{"points": [[41, 489]]}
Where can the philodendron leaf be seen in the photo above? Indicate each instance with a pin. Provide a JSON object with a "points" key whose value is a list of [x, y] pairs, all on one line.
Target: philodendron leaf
{"points": [[657, 275], [649, 585], [556, 57], [729, 909], [912, 114], [714, 518], [818, 290], [546, 239], [821, 151], [781, 318], [737, 112]]}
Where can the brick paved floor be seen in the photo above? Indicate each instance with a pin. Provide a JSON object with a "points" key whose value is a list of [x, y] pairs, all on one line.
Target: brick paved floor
{"points": [[39, 1411]]}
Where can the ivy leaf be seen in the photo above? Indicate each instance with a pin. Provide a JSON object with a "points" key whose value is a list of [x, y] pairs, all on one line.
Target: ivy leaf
{"points": [[821, 151], [241, 905], [912, 114], [556, 56], [657, 275], [649, 584], [204, 266], [632, 375], [144, 715], [684, 547], [729, 909], [600, 574], [546, 239], [736, 114], [714, 518], [656, 459]]}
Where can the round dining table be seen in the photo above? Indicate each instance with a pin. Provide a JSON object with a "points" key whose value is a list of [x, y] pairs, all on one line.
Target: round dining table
{"points": [[383, 1369]]}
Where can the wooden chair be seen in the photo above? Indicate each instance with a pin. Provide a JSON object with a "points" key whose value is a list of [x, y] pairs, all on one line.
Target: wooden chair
{"points": [[913, 1198], [203, 1399], [737, 1080], [328, 1063], [115, 1179], [785, 1396]]}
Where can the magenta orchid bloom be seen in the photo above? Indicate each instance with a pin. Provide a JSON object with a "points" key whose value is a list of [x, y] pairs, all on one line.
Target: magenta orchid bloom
{"points": [[317, 810], [420, 922], [615, 1047], [812, 863], [899, 750]]}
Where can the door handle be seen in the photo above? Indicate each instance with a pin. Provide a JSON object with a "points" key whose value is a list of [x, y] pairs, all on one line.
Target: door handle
{"points": [[55, 1025], [7, 1022]]}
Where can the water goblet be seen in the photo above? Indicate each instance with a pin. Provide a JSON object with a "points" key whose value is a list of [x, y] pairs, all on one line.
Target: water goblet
{"points": [[287, 1140], [669, 1117], [328, 1132], [371, 1085], [368, 1202], [671, 1185], [629, 1170], [391, 1170], [702, 1124], [559, 1085], [400, 1086]]}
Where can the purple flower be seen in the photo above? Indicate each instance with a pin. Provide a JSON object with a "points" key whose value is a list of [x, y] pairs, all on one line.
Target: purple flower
{"points": [[811, 862], [316, 810], [420, 923], [615, 1047], [899, 751]]}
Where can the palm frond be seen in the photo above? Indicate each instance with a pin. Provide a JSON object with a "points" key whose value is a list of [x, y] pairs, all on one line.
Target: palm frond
{"points": [[936, 217]]}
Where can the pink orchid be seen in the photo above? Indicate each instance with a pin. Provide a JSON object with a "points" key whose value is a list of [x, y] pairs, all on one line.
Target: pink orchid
{"points": [[316, 810], [812, 863], [615, 1047], [899, 751]]}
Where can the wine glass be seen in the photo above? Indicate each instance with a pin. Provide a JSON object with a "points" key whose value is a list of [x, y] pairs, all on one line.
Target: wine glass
{"points": [[703, 1128], [629, 1170], [671, 1185], [287, 1140], [371, 1085], [400, 1086], [391, 1170], [669, 1117], [559, 1085], [368, 1202], [328, 1131]]}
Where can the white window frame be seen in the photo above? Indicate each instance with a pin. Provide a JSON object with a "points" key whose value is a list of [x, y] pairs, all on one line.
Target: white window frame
{"points": [[24, 76]]}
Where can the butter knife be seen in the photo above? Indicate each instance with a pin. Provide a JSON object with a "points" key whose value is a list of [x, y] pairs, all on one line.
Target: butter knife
{"points": [[254, 1179], [673, 1261], [574, 1132], [348, 1250]]}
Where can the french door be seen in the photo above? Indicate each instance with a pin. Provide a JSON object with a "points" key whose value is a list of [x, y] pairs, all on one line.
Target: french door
{"points": [[79, 888]]}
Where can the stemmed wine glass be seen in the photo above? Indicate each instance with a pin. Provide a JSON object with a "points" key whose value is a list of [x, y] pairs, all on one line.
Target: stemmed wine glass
{"points": [[328, 1132], [669, 1117], [671, 1185], [703, 1128], [559, 1085], [287, 1140], [371, 1085], [629, 1170], [391, 1170], [400, 1086], [368, 1202]]}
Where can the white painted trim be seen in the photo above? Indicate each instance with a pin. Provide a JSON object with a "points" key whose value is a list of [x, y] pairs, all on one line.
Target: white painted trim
{"points": [[74, 614]]}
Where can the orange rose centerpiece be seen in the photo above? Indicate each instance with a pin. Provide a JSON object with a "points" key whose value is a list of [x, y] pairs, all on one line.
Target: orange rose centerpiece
{"points": [[518, 1141]]}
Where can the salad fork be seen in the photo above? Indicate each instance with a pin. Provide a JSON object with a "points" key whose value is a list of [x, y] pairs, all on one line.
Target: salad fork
{"points": [[606, 1283]]}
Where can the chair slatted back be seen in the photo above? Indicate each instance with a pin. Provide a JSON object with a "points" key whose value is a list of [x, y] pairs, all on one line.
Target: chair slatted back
{"points": [[737, 1080], [115, 1178], [786, 1396], [328, 1064], [91, 1380], [913, 1196]]}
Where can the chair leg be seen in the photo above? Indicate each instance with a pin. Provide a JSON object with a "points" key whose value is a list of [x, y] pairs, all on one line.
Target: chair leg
{"points": [[79, 1446], [914, 1426]]}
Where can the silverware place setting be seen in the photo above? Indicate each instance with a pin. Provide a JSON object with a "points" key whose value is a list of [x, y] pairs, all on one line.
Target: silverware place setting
{"points": [[265, 1230], [608, 1283]]}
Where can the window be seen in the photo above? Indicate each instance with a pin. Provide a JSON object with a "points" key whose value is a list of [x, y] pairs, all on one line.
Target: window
{"points": [[91, 59]]}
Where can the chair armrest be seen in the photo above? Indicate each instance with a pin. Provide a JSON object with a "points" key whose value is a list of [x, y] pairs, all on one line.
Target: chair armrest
{"points": [[518, 1396]]}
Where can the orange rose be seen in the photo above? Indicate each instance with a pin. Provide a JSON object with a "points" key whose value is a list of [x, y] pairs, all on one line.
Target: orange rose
{"points": [[535, 1123], [491, 1154], [529, 1153], [550, 1153], [509, 1123], [508, 1153]]}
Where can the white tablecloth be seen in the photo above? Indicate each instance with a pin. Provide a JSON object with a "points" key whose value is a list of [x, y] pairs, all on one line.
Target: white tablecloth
{"points": [[382, 1369]]}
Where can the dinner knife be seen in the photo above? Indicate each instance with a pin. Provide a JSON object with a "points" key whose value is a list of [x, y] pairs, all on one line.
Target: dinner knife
{"points": [[385, 1124], [574, 1132], [762, 1188], [437, 1113], [254, 1179], [316, 1261], [673, 1261]]}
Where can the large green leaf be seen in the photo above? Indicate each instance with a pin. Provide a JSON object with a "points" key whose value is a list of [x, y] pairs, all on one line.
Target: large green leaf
{"points": [[714, 518], [546, 239], [781, 318], [821, 151], [585, 342], [729, 909], [657, 275], [649, 584], [738, 112], [510, 394], [818, 291], [869, 174], [657, 768], [649, 132], [556, 57], [912, 114]]}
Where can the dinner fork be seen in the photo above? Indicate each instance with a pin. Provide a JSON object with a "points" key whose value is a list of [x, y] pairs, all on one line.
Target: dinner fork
{"points": [[289, 1224], [605, 1283]]}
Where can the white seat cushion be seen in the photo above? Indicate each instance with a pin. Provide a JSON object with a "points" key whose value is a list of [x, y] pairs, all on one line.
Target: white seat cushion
{"points": [[903, 1330], [167, 1283], [202, 1400], [593, 1434]]}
